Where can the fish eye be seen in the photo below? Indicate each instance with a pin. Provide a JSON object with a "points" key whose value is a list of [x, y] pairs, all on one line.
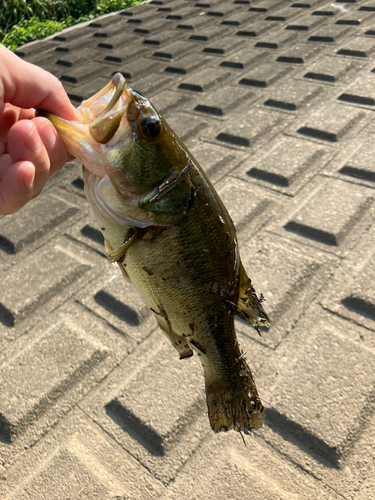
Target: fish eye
{"points": [[150, 127]]}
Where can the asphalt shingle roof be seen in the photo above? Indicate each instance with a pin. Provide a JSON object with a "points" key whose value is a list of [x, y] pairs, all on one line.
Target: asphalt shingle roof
{"points": [[276, 101]]}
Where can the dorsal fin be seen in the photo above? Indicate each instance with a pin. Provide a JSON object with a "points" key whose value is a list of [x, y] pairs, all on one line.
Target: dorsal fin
{"points": [[249, 306]]}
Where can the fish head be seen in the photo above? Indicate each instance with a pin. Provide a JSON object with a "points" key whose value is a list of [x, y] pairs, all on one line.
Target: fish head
{"points": [[124, 144]]}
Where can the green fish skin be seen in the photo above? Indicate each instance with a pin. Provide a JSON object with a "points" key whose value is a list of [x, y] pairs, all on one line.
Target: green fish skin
{"points": [[166, 227]]}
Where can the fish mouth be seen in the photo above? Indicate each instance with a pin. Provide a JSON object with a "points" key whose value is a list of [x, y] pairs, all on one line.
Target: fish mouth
{"points": [[104, 110], [101, 132], [102, 123], [105, 115]]}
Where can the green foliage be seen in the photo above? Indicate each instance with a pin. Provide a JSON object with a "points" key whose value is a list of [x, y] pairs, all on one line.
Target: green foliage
{"points": [[22, 21], [29, 30], [13, 12], [106, 6]]}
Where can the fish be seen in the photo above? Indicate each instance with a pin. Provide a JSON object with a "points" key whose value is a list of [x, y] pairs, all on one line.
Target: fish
{"points": [[172, 237]]}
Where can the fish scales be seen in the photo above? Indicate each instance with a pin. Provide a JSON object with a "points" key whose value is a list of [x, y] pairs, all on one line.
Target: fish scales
{"points": [[172, 237], [183, 292]]}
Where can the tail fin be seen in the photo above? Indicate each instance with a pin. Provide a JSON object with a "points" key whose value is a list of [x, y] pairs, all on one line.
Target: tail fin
{"points": [[235, 404]]}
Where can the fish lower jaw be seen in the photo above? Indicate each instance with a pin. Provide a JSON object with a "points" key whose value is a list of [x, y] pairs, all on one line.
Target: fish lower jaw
{"points": [[102, 195]]}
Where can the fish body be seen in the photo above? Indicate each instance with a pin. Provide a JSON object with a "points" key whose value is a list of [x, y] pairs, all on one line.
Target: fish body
{"points": [[173, 239]]}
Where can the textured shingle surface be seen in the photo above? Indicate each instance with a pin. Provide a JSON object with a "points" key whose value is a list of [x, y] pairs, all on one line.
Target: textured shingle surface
{"points": [[276, 101]]}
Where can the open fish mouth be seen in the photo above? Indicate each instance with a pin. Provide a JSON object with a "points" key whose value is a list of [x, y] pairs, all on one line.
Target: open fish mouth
{"points": [[105, 110], [105, 115], [102, 131], [102, 125]]}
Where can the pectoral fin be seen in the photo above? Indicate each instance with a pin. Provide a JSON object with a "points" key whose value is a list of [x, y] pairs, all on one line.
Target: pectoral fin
{"points": [[249, 306], [118, 254]]}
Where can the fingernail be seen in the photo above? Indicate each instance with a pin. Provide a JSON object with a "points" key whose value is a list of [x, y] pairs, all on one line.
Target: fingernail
{"points": [[29, 178], [33, 141], [48, 136]]}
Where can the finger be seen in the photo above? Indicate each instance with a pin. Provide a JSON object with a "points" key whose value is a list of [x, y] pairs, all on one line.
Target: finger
{"points": [[10, 116], [7, 120], [26, 114], [23, 114], [16, 184], [29, 86], [54, 146], [25, 144]]}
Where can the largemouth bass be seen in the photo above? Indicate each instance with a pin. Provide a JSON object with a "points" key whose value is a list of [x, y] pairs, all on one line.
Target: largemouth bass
{"points": [[166, 227]]}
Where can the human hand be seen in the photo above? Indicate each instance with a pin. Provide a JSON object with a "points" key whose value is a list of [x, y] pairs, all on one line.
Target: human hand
{"points": [[31, 152]]}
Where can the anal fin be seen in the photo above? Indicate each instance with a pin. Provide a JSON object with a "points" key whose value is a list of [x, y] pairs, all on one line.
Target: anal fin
{"points": [[179, 342], [249, 306]]}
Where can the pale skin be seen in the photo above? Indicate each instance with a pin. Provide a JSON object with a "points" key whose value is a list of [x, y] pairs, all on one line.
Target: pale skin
{"points": [[31, 152]]}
